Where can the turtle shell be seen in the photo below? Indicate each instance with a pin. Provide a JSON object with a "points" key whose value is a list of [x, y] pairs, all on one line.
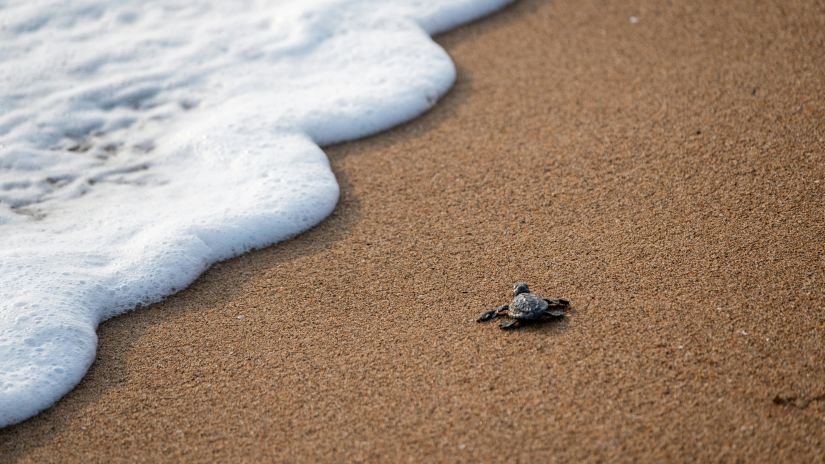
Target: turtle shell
{"points": [[527, 306]]}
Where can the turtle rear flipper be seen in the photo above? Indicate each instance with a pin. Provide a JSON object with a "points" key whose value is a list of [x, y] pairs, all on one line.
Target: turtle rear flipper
{"points": [[556, 308]]}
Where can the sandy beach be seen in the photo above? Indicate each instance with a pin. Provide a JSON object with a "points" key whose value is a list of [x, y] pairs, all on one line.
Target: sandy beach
{"points": [[659, 164]]}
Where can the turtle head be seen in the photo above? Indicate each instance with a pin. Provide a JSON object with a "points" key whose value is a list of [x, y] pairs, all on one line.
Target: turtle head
{"points": [[520, 287]]}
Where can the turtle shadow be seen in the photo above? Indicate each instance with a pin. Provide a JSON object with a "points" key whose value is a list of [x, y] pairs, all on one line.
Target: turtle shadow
{"points": [[553, 327]]}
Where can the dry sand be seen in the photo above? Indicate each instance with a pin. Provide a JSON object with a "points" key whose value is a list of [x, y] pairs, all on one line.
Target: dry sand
{"points": [[664, 173]]}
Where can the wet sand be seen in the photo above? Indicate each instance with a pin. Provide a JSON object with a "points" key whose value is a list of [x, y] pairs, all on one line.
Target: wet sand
{"points": [[660, 165]]}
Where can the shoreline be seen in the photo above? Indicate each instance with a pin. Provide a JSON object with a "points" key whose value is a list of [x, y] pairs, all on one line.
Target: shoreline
{"points": [[629, 167]]}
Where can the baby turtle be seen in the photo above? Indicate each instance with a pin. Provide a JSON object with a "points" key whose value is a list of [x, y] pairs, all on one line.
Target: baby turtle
{"points": [[526, 307]]}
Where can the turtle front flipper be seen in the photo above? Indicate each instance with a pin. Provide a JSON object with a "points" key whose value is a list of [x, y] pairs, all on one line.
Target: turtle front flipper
{"points": [[493, 313], [509, 325]]}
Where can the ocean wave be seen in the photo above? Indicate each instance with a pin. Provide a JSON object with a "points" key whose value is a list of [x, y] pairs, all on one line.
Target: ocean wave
{"points": [[141, 142]]}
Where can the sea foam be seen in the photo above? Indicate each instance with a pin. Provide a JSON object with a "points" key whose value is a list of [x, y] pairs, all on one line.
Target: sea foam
{"points": [[140, 142]]}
